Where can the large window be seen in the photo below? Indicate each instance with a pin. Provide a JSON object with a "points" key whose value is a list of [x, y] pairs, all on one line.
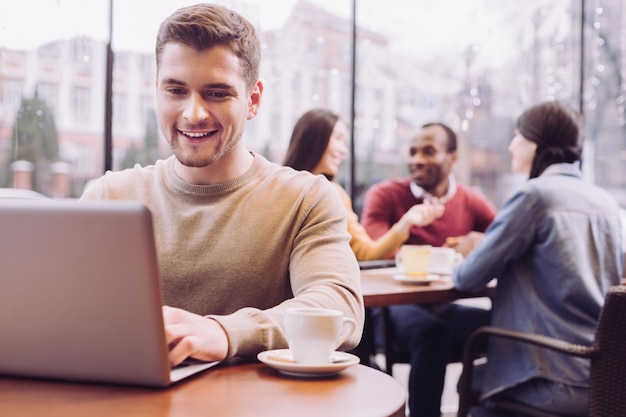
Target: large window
{"points": [[472, 64]]}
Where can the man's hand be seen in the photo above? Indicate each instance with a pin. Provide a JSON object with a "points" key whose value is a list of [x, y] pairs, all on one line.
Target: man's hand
{"points": [[464, 244], [190, 335], [421, 215]]}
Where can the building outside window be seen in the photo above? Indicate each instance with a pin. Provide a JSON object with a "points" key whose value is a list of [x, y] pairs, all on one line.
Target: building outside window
{"points": [[474, 65]]}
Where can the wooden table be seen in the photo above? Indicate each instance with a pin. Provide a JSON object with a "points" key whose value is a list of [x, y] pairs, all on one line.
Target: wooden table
{"points": [[242, 389], [380, 289]]}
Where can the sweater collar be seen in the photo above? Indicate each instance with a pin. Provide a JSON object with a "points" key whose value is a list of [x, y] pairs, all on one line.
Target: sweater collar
{"points": [[420, 193]]}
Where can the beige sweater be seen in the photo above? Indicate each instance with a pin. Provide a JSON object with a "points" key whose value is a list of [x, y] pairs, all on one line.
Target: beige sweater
{"points": [[243, 251]]}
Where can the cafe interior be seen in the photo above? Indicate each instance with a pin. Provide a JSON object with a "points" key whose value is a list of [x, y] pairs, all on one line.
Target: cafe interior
{"points": [[77, 86]]}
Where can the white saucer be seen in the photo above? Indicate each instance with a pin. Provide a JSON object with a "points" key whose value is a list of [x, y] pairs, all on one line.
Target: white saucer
{"points": [[406, 279], [281, 359], [441, 271]]}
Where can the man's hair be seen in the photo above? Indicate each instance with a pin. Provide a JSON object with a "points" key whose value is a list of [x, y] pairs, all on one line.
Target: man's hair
{"points": [[309, 139], [204, 26], [449, 132]]}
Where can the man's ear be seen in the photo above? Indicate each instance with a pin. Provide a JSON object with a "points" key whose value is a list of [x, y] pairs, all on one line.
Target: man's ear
{"points": [[254, 102]]}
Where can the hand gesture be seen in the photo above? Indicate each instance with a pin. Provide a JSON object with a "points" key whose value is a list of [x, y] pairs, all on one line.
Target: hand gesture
{"points": [[464, 244], [421, 215]]}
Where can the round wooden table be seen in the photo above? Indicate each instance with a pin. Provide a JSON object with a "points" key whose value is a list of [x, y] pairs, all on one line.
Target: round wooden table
{"points": [[242, 389]]}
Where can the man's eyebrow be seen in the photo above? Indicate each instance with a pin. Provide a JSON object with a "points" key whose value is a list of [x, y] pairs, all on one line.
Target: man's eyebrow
{"points": [[222, 86], [173, 81]]}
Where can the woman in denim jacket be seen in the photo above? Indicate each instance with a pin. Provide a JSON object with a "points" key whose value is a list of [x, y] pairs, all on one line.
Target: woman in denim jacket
{"points": [[555, 249]]}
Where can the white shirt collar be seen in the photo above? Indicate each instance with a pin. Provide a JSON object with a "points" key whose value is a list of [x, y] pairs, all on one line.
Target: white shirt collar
{"points": [[419, 192]]}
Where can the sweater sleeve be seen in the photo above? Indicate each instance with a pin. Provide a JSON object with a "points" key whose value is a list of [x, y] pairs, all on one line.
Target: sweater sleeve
{"points": [[323, 273]]}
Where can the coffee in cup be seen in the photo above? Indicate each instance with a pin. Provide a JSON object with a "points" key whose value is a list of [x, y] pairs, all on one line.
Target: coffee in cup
{"points": [[414, 260]]}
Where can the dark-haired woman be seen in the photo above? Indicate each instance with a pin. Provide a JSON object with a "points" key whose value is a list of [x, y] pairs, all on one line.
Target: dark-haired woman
{"points": [[555, 248]]}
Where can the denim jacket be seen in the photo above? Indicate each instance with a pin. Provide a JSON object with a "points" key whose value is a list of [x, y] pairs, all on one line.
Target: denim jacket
{"points": [[555, 248]]}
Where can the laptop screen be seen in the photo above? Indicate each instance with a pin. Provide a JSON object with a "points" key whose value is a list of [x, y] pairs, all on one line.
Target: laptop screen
{"points": [[79, 292]]}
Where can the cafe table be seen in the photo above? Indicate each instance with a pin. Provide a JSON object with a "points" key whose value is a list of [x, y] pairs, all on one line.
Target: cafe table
{"points": [[381, 289], [238, 388]]}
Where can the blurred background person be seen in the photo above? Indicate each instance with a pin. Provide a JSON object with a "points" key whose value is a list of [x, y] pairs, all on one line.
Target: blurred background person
{"points": [[318, 144], [555, 248], [432, 155]]}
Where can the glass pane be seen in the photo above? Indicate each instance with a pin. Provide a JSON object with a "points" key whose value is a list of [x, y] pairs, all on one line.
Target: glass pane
{"points": [[473, 65], [52, 67], [605, 95]]}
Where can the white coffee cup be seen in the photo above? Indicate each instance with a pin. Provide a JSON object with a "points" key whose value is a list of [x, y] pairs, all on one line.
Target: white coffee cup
{"points": [[444, 260], [313, 333], [414, 260]]}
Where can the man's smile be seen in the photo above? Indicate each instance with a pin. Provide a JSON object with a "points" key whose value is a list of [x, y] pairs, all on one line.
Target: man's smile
{"points": [[197, 135]]}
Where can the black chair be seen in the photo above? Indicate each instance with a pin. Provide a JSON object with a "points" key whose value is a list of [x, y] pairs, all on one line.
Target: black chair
{"points": [[607, 369]]}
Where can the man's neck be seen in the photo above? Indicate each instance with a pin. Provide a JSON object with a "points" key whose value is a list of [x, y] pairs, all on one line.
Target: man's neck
{"points": [[444, 191], [441, 189], [229, 167]]}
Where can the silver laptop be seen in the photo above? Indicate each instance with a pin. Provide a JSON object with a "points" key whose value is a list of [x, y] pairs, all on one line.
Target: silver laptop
{"points": [[80, 298]]}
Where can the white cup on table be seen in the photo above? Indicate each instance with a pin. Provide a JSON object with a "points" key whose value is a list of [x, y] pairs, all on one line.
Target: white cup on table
{"points": [[313, 333], [444, 260]]}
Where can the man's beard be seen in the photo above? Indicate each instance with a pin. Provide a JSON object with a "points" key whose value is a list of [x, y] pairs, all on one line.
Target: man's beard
{"points": [[194, 160]]}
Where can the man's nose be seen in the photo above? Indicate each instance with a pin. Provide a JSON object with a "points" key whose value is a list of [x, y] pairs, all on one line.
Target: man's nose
{"points": [[195, 109], [417, 158]]}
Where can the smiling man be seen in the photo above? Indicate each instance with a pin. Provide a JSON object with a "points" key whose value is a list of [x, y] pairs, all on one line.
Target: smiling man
{"points": [[239, 239], [431, 335]]}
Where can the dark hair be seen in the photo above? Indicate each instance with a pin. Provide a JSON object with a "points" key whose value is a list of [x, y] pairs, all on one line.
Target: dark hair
{"points": [[554, 127], [203, 26], [309, 139], [449, 132]]}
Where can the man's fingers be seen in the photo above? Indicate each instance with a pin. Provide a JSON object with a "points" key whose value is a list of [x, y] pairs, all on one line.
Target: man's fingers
{"points": [[180, 351]]}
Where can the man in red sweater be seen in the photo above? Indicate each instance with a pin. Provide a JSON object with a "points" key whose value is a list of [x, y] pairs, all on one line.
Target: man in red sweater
{"points": [[433, 335], [432, 155]]}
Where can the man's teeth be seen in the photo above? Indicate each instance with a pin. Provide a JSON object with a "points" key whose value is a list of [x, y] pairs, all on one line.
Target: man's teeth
{"points": [[195, 135]]}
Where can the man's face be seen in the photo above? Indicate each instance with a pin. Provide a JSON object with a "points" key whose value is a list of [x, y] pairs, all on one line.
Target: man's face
{"points": [[202, 102], [429, 160]]}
